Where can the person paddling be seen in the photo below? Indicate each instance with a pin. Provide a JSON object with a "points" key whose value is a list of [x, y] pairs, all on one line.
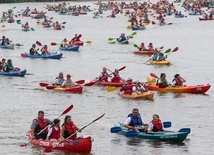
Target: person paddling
{"points": [[178, 81], [127, 88], [54, 133], [26, 26], [103, 76], [139, 87], [2, 65], [142, 47], [68, 82], [122, 38], [162, 82], [33, 50], [59, 80], [38, 125], [69, 128], [116, 76], [155, 125], [135, 122], [45, 50]]}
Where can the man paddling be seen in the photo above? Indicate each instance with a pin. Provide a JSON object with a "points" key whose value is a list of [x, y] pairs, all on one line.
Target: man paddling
{"points": [[103, 76], [39, 124]]}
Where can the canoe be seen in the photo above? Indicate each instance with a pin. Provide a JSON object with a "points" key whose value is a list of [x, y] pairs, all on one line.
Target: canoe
{"points": [[50, 56], [164, 62], [11, 46], [73, 89], [179, 16], [143, 52], [25, 29], [14, 73], [177, 136], [138, 28], [198, 89], [81, 145], [115, 84], [144, 95], [73, 48], [206, 19]]}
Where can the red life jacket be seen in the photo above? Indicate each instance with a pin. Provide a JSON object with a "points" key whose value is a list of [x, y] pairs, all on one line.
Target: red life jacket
{"points": [[55, 133], [41, 125], [104, 75], [179, 82], [116, 78], [157, 126], [69, 130], [128, 89]]}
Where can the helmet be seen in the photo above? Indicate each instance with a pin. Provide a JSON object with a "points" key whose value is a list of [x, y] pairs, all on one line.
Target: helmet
{"points": [[34, 45]]}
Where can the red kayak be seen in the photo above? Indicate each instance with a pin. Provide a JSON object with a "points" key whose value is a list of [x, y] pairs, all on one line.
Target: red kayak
{"points": [[115, 84], [206, 18], [82, 145], [73, 89], [143, 52], [198, 89]]}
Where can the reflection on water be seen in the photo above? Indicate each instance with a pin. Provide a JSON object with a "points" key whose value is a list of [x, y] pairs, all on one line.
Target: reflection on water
{"points": [[134, 141]]}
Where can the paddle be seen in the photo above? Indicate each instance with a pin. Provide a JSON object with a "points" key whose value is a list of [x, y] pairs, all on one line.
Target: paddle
{"points": [[17, 44], [50, 149], [118, 129], [32, 29], [153, 75], [111, 88], [174, 50], [38, 43], [134, 134], [64, 112]]}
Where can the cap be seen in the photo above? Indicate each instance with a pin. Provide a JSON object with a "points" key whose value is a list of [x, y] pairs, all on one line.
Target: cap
{"points": [[68, 75], [129, 79]]}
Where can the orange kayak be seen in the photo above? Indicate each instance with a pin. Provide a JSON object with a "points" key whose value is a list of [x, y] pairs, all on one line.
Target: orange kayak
{"points": [[143, 52], [144, 95]]}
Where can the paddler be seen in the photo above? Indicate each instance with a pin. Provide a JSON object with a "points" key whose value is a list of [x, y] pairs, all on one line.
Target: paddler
{"points": [[178, 81], [59, 80], [54, 133], [127, 88], [162, 82], [64, 43], [116, 76], [155, 125], [122, 38], [139, 87], [33, 50], [68, 82]]}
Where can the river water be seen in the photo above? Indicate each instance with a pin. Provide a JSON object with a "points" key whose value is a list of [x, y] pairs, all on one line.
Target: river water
{"points": [[22, 98]]}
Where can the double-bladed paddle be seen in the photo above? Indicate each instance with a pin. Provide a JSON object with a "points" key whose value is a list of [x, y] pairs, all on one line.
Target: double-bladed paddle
{"points": [[64, 112], [50, 149]]}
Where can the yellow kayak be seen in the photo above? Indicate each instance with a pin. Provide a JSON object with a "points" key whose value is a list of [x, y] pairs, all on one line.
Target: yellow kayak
{"points": [[164, 62], [144, 95]]}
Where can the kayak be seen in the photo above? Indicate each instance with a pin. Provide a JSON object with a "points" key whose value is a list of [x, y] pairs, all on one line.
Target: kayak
{"points": [[25, 29], [124, 42], [179, 16], [11, 46], [115, 84], [57, 28], [73, 48], [39, 16], [14, 73], [138, 28], [144, 95], [176, 136], [164, 62], [194, 13], [11, 21], [143, 52], [206, 19], [198, 89], [50, 56], [73, 89], [46, 26], [75, 14], [80, 145]]}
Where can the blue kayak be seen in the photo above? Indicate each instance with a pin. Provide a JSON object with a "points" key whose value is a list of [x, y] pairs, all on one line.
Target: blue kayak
{"points": [[50, 56], [138, 28], [179, 16], [39, 16], [11, 46], [14, 73], [73, 48]]}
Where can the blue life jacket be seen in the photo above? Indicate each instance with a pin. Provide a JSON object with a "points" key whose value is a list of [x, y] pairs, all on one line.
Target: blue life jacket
{"points": [[135, 121], [121, 39]]}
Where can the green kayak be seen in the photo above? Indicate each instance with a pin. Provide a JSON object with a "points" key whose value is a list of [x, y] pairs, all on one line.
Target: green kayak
{"points": [[176, 136], [124, 42]]}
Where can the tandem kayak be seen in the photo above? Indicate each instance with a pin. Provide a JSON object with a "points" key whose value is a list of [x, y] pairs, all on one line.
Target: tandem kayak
{"points": [[164, 62], [138, 28], [143, 52], [14, 73], [104, 83], [73, 89], [80, 145], [73, 48], [50, 56], [206, 18], [11, 46], [198, 89], [176, 136], [144, 95]]}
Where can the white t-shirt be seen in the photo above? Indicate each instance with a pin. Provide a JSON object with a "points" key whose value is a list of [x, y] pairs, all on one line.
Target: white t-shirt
{"points": [[128, 121], [151, 126]]}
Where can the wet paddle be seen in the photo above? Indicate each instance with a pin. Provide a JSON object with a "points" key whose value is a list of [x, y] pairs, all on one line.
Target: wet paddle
{"points": [[153, 75], [111, 88], [38, 43], [50, 149], [64, 112]]}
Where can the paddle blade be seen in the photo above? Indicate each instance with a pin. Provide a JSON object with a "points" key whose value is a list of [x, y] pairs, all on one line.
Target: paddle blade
{"points": [[111, 88], [161, 47], [131, 134], [134, 33], [38, 43], [110, 39], [167, 51], [89, 84], [80, 81], [135, 45], [24, 144], [115, 129], [131, 37], [167, 124], [122, 68], [176, 49], [98, 118], [42, 84], [64, 23], [18, 44], [50, 87], [53, 44], [153, 22], [188, 130], [112, 42], [32, 29], [88, 42], [67, 110], [169, 24], [153, 75]]}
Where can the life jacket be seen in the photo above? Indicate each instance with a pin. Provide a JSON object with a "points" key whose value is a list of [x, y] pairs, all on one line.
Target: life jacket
{"points": [[102, 77], [128, 88], [161, 85], [69, 130], [122, 39], [32, 51], [179, 82], [55, 133], [60, 80], [157, 126], [45, 51], [70, 83], [116, 78], [41, 125], [135, 121], [9, 67]]}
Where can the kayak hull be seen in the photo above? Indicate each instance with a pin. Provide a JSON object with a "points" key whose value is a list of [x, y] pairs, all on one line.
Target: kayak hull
{"points": [[138, 28], [144, 95], [25, 29], [73, 48], [73, 89], [164, 62], [7, 46], [15, 73], [50, 56], [124, 42], [81, 145], [206, 19], [198, 89], [143, 52]]}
